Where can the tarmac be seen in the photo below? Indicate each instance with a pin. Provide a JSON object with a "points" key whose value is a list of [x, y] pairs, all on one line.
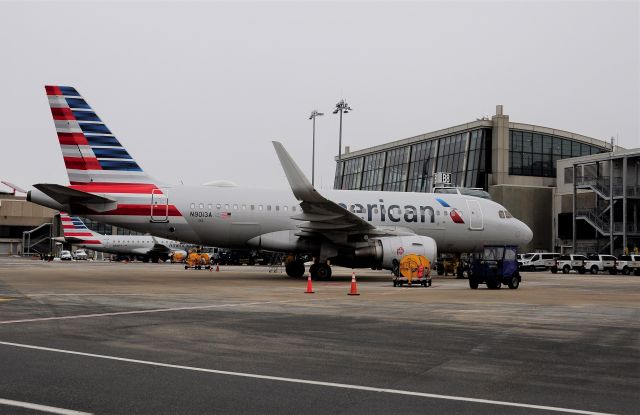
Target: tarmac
{"points": [[115, 338]]}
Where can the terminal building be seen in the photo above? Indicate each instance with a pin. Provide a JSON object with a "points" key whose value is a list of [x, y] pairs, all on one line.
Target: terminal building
{"points": [[515, 162], [28, 229]]}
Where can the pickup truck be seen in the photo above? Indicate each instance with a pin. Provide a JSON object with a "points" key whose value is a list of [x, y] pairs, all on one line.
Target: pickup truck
{"points": [[567, 263], [628, 263], [597, 263]]}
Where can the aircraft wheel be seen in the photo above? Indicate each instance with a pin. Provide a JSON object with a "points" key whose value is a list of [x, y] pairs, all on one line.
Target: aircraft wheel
{"points": [[295, 269], [313, 270], [514, 283], [324, 271]]}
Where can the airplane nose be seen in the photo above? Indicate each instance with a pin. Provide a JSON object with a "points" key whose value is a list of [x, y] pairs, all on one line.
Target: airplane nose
{"points": [[525, 233]]}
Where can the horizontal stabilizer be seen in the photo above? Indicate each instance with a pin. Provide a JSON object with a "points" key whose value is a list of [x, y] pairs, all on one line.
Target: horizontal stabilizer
{"points": [[67, 196]]}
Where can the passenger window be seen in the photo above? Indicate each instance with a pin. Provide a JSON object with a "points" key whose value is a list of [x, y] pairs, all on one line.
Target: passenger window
{"points": [[226, 206], [501, 214], [269, 207], [235, 207], [259, 207], [218, 206], [293, 208], [193, 206], [253, 207], [244, 207], [201, 205], [210, 206], [437, 212], [285, 208], [277, 208]]}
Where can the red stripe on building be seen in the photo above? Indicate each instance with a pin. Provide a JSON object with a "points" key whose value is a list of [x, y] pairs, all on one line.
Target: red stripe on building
{"points": [[79, 163], [62, 114], [139, 188], [73, 138], [52, 90]]}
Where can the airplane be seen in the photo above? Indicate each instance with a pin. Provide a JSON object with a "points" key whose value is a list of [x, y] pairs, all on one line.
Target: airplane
{"points": [[355, 229], [148, 247]]}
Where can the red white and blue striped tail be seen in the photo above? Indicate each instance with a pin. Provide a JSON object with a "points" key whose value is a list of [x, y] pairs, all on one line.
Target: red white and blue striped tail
{"points": [[92, 154], [75, 231]]}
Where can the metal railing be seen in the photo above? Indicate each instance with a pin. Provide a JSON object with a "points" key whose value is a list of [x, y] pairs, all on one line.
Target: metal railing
{"points": [[33, 240], [601, 184]]}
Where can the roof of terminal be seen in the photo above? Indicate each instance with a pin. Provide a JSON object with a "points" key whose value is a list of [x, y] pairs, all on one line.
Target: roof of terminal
{"points": [[473, 126]]}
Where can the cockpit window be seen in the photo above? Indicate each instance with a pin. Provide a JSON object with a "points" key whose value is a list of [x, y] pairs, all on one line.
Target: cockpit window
{"points": [[501, 214], [507, 214]]}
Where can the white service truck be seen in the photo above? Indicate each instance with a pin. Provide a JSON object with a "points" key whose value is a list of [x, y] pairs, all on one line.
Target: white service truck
{"points": [[566, 263], [597, 263], [627, 264]]}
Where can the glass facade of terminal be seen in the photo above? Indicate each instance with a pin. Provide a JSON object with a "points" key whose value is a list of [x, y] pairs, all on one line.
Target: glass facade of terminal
{"points": [[467, 156], [535, 154], [411, 167]]}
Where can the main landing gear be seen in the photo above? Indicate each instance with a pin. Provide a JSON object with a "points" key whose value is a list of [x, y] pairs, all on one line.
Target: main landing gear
{"points": [[295, 269], [320, 271]]}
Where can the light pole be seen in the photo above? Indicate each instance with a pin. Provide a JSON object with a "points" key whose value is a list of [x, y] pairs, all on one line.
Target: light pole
{"points": [[313, 116], [341, 107]]}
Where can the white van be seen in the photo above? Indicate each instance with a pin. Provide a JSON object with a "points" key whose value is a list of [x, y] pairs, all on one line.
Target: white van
{"points": [[538, 260]]}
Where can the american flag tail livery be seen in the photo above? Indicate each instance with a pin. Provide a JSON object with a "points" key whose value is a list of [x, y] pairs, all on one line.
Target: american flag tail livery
{"points": [[104, 178], [75, 231]]}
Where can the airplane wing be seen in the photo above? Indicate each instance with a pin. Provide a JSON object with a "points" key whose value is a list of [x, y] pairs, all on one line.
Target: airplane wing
{"points": [[67, 196], [159, 248], [320, 214]]}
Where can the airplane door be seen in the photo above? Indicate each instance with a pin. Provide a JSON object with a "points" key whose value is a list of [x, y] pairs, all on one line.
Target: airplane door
{"points": [[159, 206], [476, 222]]}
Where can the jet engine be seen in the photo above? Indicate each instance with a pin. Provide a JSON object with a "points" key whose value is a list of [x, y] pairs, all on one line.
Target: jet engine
{"points": [[384, 250]]}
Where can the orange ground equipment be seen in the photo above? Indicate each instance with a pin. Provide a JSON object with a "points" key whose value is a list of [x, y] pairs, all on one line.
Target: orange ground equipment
{"points": [[196, 260], [178, 257], [413, 269], [354, 285]]}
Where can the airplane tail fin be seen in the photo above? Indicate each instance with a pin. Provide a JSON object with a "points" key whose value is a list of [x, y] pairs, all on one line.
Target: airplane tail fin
{"points": [[92, 154], [75, 231]]}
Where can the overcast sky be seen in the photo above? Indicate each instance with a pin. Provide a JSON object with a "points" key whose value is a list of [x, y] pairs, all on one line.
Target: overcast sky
{"points": [[197, 91]]}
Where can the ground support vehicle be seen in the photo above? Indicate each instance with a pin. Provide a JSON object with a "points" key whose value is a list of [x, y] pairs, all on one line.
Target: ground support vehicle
{"points": [[627, 264], [538, 261], [449, 265], [413, 269], [496, 266], [80, 255], [597, 263], [566, 263], [65, 256], [196, 260]]}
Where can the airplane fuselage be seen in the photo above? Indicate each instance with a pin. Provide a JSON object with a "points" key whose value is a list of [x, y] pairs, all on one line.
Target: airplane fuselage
{"points": [[233, 216]]}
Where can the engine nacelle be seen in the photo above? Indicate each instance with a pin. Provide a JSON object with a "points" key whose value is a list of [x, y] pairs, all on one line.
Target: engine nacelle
{"points": [[387, 249]]}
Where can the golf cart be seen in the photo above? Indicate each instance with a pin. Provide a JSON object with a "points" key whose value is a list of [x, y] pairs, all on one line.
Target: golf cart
{"points": [[497, 265]]}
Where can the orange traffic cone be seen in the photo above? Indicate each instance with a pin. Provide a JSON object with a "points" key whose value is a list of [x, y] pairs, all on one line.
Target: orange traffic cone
{"points": [[217, 268], [309, 286], [354, 285]]}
